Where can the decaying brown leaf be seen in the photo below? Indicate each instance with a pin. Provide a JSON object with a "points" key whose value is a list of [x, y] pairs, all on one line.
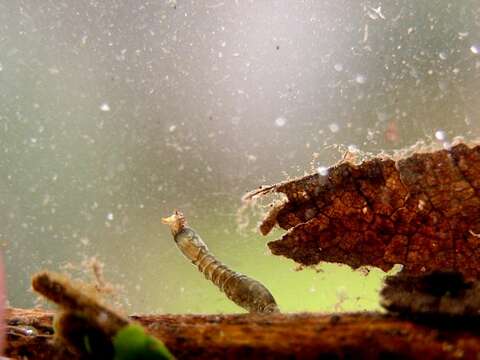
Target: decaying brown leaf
{"points": [[422, 211]]}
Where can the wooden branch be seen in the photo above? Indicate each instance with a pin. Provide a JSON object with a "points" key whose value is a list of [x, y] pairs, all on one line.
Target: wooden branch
{"points": [[305, 335]]}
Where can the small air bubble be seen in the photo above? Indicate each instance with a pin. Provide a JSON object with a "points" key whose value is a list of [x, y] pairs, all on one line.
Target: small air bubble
{"points": [[440, 135], [110, 216], [322, 170], [172, 128], [280, 121], [104, 107], [442, 55], [360, 79], [338, 67], [352, 148], [475, 49], [334, 127]]}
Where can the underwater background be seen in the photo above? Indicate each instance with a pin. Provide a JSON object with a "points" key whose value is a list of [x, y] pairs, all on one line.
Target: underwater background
{"points": [[114, 113]]}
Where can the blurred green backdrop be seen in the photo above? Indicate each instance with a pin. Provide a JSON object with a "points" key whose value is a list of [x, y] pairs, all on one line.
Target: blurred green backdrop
{"points": [[113, 113]]}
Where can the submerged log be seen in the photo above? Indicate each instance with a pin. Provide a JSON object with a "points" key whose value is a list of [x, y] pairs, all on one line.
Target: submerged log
{"points": [[274, 336]]}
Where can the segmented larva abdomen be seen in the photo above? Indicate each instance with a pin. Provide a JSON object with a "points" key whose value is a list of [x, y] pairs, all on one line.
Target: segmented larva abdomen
{"points": [[242, 290]]}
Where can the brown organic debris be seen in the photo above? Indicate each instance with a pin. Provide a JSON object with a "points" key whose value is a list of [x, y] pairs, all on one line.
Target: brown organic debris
{"points": [[276, 336], [422, 211], [436, 294]]}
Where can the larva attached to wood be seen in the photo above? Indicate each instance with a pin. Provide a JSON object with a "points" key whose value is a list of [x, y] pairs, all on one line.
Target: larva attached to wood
{"points": [[242, 290]]}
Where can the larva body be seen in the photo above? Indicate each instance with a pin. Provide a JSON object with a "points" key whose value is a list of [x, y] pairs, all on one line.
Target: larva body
{"points": [[242, 290]]}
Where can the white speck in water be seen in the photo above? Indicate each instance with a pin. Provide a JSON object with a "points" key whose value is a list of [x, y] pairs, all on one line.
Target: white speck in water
{"points": [[84, 241], [338, 67], [1, 67], [53, 71], [322, 170], [33, 140], [110, 216], [447, 145], [172, 128], [360, 79], [475, 49], [280, 121], [352, 148], [442, 55], [104, 107], [440, 135], [333, 127]]}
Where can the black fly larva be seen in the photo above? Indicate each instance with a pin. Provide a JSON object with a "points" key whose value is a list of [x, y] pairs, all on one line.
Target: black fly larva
{"points": [[242, 290]]}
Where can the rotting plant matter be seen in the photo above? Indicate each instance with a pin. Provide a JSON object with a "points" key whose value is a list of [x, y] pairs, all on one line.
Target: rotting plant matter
{"points": [[422, 211]]}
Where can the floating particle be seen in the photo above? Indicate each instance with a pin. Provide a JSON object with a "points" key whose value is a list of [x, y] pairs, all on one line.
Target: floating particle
{"points": [[104, 107], [322, 170], [440, 135], [338, 67], [475, 49], [333, 127], [280, 121], [360, 79], [110, 216]]}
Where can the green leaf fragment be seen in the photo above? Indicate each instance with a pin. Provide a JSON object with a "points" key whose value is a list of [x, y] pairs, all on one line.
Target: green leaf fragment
{"points": [[133, 343]]}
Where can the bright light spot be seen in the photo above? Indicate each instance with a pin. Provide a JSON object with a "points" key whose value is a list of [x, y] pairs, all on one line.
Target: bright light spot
{"points": [[280, 121], [251, 158], [442, 55], [33, 140], [104, 107], [1, 67], [475, 49], [322, 170], [338, 67], [110, 216], [352, 148], [334, 127], [360, 79], [440, 135], [172, 128]]}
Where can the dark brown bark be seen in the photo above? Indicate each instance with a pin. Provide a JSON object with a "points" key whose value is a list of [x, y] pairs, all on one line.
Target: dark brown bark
{"points": [[275, 336], [422, 211]]}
